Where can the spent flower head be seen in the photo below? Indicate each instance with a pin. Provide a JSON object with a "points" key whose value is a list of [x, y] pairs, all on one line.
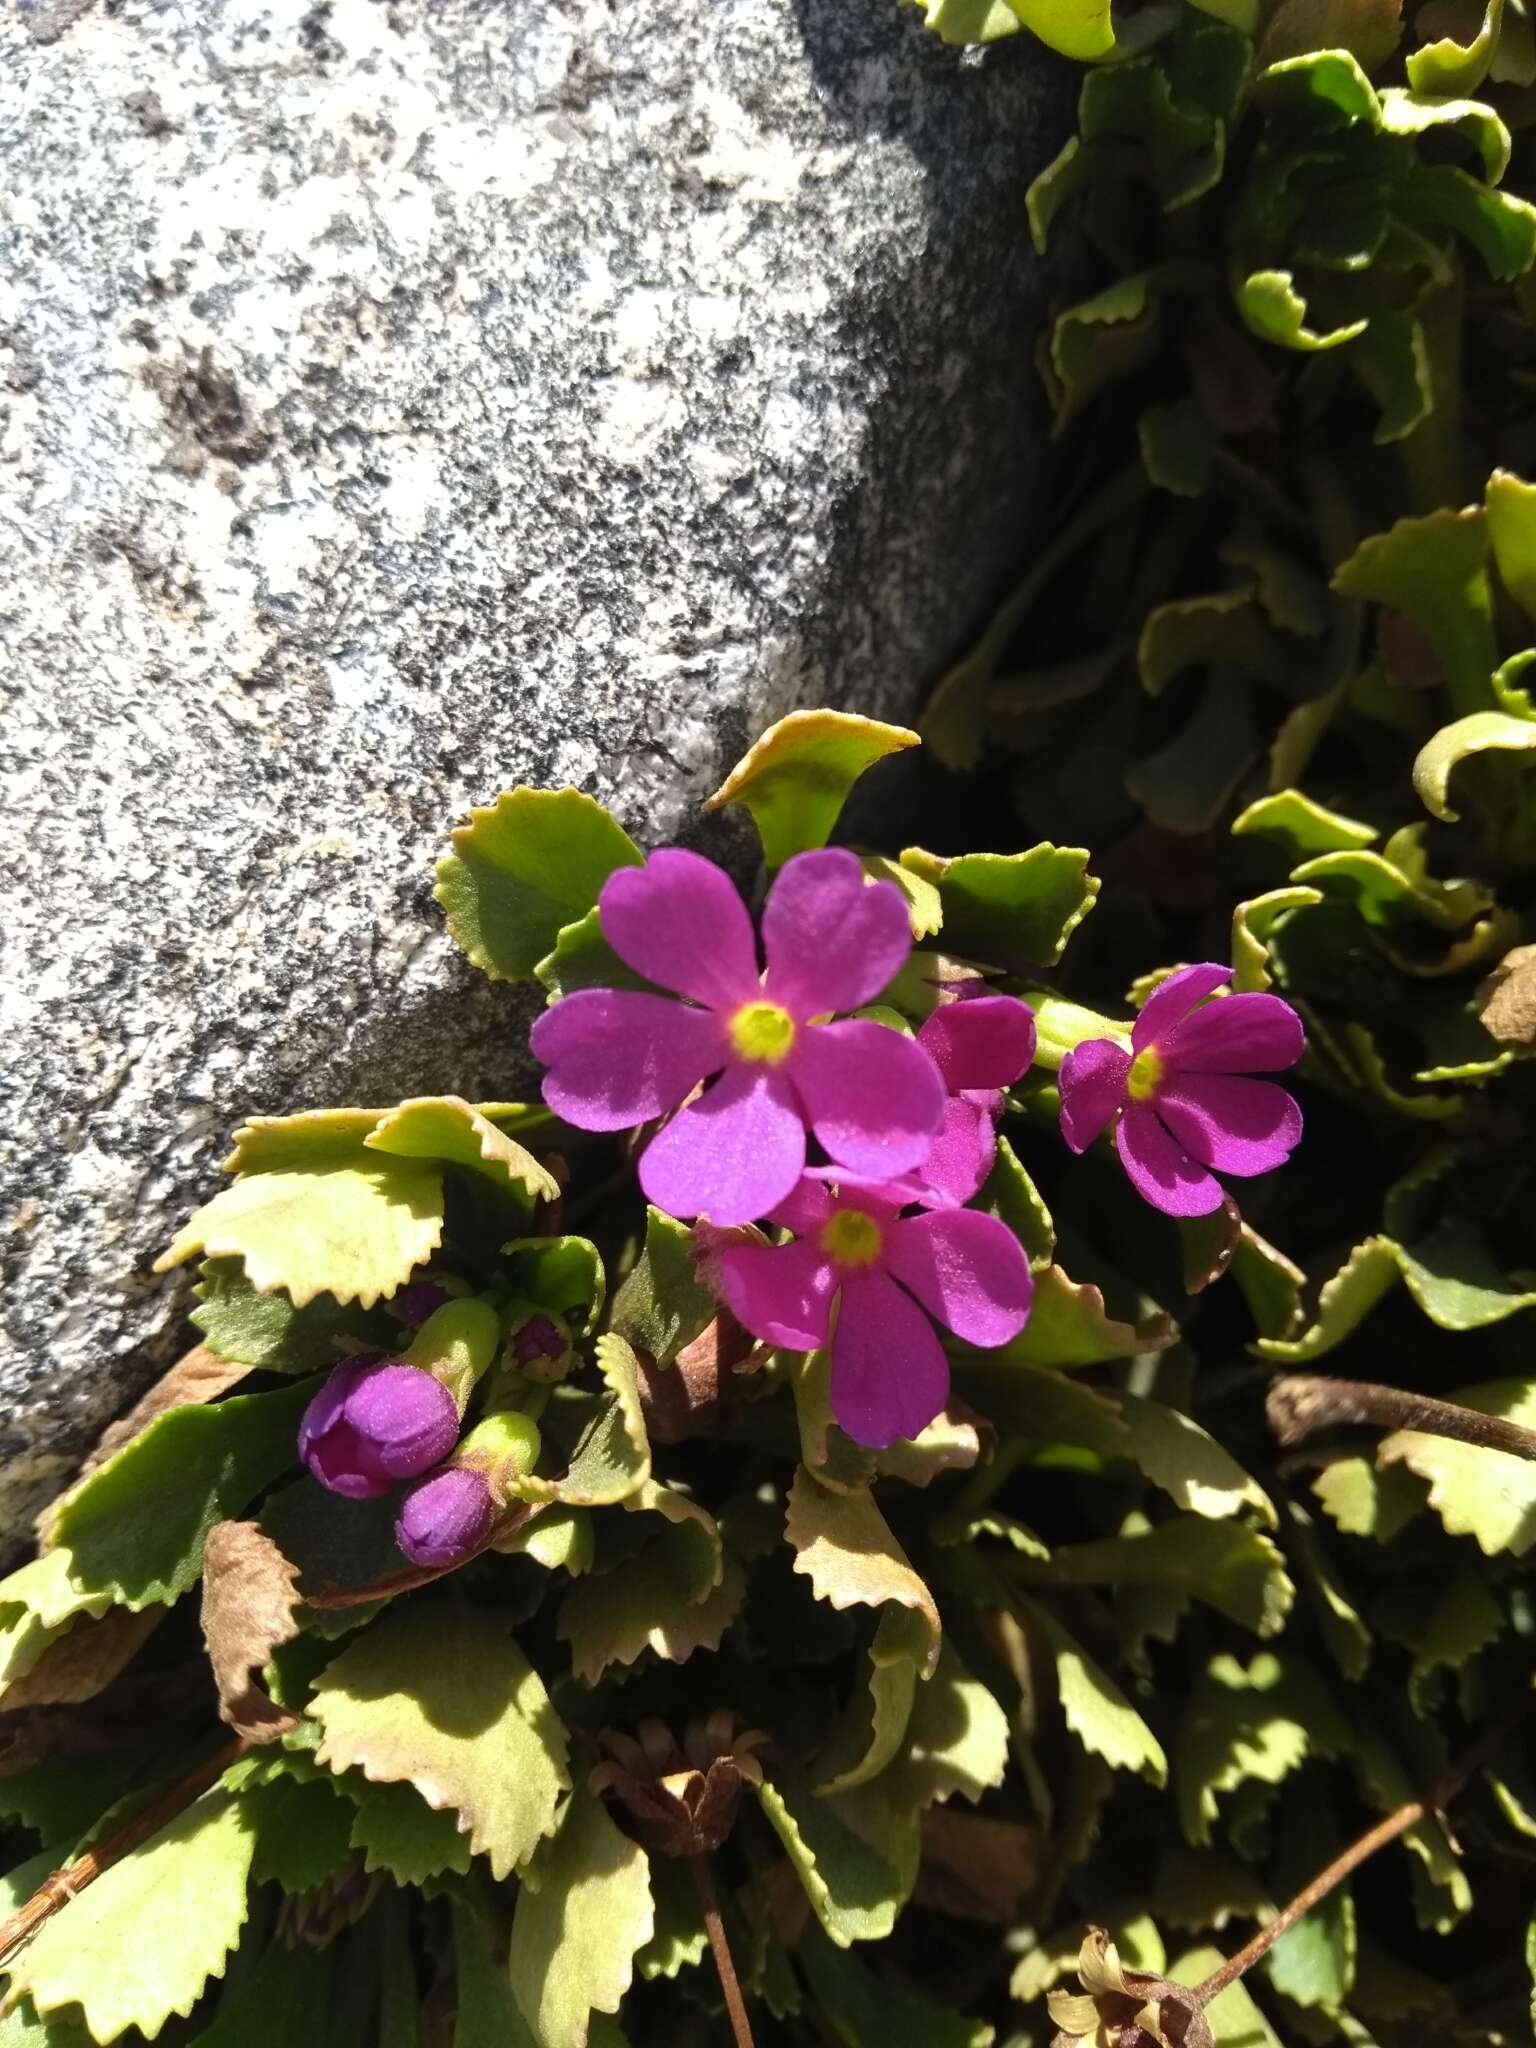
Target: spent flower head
{"points": [[1120, 2008], [682, 1800], [1180, 1100], [860, 1275], [832, 941]]}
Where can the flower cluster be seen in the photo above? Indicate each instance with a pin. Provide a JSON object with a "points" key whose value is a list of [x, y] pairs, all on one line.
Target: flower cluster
{"points": [[379, 1421], [744, 1065]]}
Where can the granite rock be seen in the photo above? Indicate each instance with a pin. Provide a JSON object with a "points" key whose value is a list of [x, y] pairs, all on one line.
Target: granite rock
{"points": [[400, 399]]}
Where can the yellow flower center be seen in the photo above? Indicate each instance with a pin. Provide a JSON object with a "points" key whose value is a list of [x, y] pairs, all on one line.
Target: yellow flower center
{"points": [[852, 1238], [1145, 1077], [762, 1031]]}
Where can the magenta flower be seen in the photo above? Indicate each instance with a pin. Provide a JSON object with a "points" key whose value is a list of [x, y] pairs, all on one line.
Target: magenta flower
{"points": [[854, 1250], [374, 1423], [445, 1517], [872, 1097], [1181, 1096], [981, 1045]]}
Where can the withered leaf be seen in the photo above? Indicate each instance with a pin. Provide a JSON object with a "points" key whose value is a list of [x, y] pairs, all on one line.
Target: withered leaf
{"points": [[977, 1869], [84, 1660], [1506, 1001], [250, 1591]]}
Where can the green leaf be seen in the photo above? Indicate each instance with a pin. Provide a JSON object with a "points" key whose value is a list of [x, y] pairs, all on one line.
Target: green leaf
{"points": [[355, 1232], [1225, 626], [796, 778], [1365, 1502], [142, 1941], [276, 2000], [1434, 569], [485, 2012], [681, 1940], [1234, 2020], [1011, 1195], [1096, 1710], [1313, 1962], [678, 1594], [582, 958], [970, 21], [1275, 311], [435, 1695], [1343, 1302], [1367, 29], [1487, 1495], [1249, 1723], [1327, 82], [582, 1916], [1232, 1568], [854, 1892], [1303, 827], [1478, 733], [1510, 504], [266, 1330], [925, 907], [38, 1603], [1338, 1620], [1186, 785], [399, 1832], [844, 1547], [1101, 341], [524, 868], [1012, 910], [1461, 1623], [1077, 28], [135, 1528], [1450, 67], [1070, 1326], [302, 1828], [448, 1129], [612, 1456], [662, 1305], [862, 2006], [1253, 924], [875, 1721], [1195, 1471]]}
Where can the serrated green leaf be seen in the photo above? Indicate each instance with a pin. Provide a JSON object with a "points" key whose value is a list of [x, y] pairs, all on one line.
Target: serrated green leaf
{"points": [[142, 1941], [1450, 67], [1276, 311], [1462, 1622], [1186, 785], [1365, 1502], [522, 869], [970, 21], [1013, 910], [854, 1892], [38, 1603], [582, 958], [266, 1330], [454, 1132], [1342, 1303], [1096, 1710], [1510, 504], [1253, 925], [275, 2000], [1303, 827], [1253, 1723], [1070, 1326], [399, 1832], [681, 1940], [485, 2012], [1368, 29], [612, 1456], [844, 1546], [1226, 1565], [1487, 1495], [1313, 1962], [435, 1695], [1100, 341], [135, 1529], [1077, 28], [676, 1595], [1480, 732], [662, 1305], [354, 1232], [1234, 2020], [1338, 1619], [796, 778], [875, 1720], [1434, 569], [1010, 1194], [576, 1935], [1189, 1465], [302, 1828]]}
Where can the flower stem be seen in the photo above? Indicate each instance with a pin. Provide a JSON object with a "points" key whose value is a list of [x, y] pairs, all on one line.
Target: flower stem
{"points": [[1299, 1404], [57, 1891], [714, 1927], [1427, 1807]]}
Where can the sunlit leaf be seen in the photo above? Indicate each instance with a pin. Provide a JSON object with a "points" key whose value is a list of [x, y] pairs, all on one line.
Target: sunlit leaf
{"points": [[1095, 1709], [582, 1915], [796, 778]]}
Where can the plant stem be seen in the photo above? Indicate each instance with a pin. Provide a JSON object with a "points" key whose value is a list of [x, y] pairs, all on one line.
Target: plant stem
{"points": [[714, 1927], [1427, 1807], [1298, 1404], [63, 1885]]}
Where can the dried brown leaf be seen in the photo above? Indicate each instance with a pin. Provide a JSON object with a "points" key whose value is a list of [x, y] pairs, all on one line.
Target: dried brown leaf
{"points": [[1507, 999], [977, 1869], [250, 1592], [84, 1660]]}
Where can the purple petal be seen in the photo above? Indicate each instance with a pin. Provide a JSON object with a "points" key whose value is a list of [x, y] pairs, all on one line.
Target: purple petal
{"points": [[781, 1293], [889, 1373], [985, 1043], [962, 1154], [1173, 998], [617, 1058], [1092, 1083], [445, 1517], [414, 1303], [806, 1207], [409, 1417], [873, 1097], [1243, 1034], [328, 1406], [680, 922], [967, 1269], [348, 1464], [833, 940], [1161, 1171], [732, 1155], [1226, 1121]]}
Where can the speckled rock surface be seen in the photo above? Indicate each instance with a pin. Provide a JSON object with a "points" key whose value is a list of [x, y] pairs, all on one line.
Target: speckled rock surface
{"points": [[398, 401]]}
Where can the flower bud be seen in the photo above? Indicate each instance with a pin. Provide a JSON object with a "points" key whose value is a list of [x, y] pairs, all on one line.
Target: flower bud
{"points": [[413, 1304], [375, 1423], [542, 1346], [446, 1517]]}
